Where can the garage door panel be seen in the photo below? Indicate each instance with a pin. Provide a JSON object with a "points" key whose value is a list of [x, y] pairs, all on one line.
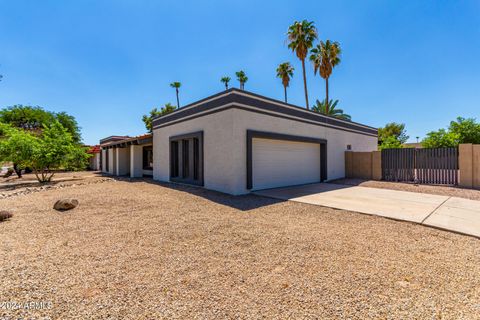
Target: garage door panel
{"points": [[277, 163]]}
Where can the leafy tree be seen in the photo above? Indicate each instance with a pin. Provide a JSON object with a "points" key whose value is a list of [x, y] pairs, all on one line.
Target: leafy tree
{"points": [[325, 56], [300, 37], [177, 86], [26, 117], [440, 139], [390, 142], [329, 109], [15, 146], [460, 131], [285, 72], [69, 123], [148, 119], [242, 78], [34, 119], [394, 129], [225, 81], [467, 130], [53, 149]]}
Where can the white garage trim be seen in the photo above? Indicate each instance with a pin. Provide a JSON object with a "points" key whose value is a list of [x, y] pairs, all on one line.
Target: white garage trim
{"points": [[293, 146]]}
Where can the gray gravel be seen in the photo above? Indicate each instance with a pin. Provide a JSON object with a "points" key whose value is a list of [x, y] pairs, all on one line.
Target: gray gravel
{"points": [[141, 250]]}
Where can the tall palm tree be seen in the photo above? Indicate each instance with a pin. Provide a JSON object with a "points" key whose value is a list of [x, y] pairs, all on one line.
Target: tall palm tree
{"points": [[301, 36], [325, 56], [285, 72], [329, 109], [176, 85], [225, 81], [242, 78]]}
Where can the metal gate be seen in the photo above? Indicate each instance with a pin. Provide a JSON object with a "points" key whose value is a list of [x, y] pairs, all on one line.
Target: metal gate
{"points": [[427, 166]]}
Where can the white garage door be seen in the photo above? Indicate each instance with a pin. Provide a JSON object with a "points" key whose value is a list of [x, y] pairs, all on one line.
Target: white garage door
{"points": [[278, 163]]}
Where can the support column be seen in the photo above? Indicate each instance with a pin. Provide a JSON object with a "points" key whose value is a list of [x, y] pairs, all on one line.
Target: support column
{"points": [[465, 162], [476, 166], [117, 160], [136, 161], [112, 162], [104, 160]]}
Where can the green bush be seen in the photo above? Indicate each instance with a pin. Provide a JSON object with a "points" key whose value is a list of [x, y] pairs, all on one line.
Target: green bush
{"points": [[53, 149]]}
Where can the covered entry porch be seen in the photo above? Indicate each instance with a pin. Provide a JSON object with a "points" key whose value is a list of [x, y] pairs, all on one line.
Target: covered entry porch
{"points": [[131, 157]]}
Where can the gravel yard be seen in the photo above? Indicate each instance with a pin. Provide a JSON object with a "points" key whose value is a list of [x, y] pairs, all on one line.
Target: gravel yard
{"points": [[142, 250], [471, 194]]}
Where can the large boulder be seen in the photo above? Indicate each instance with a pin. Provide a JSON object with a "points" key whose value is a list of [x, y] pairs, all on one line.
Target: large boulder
{"points": [[65, 204]]}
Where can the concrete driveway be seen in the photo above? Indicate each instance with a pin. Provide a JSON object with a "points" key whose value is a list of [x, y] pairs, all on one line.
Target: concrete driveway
{"points": [[450, 213]]}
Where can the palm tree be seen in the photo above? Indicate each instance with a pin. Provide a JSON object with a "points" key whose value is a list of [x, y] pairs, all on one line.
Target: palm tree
{"points": [[301, 36], [242, 78], [225, 80], [329, 110], [176, 85], [325, 56], [285, 72]]}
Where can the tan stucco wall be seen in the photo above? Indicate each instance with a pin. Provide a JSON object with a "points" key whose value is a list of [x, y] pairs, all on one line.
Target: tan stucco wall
{"points": [[225, 145], [469, 164], [476, 166], [363, 165], [377, 165]]}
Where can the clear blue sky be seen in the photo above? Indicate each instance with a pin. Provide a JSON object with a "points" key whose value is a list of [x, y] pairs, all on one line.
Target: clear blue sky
{"points": [[109, 62]]}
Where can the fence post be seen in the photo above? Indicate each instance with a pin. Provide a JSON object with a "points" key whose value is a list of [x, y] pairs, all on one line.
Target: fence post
{"points": [[476, 166], [465, 164], [376, 165]]}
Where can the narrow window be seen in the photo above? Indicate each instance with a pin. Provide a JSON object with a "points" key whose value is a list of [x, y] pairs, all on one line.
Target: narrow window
{"points": [[174, 159], [196, 158], [107, 160], [185, 158]]}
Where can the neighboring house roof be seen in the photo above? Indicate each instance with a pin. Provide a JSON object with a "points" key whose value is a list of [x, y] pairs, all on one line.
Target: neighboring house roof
{"points": [[417, 145], [94, 149], [113, 138], [141, 139], [240, 99]]}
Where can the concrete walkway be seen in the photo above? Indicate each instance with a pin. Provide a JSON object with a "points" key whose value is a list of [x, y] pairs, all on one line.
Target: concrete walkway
{"points": [[450, 213]]}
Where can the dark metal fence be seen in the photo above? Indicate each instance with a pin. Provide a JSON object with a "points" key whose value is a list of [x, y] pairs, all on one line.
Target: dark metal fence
{"points": [[427, 166]]}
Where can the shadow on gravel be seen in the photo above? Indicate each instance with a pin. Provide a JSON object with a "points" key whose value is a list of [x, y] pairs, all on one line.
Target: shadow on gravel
{"points": [[243, 202]]}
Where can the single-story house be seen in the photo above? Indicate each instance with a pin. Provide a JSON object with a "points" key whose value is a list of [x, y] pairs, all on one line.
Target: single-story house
{"points": [[95, 159], [237, 141], [127, 156]]}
